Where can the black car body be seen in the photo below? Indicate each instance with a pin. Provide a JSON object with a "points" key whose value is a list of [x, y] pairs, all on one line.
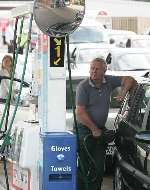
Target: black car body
{"points": [[132, 155]]}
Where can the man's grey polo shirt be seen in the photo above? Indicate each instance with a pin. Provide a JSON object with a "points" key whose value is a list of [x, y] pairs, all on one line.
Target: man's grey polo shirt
{"points": [[97, 100]]}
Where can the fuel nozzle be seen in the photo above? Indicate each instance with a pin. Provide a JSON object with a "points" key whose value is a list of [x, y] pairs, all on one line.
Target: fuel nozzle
{"points": [[106, 137]]}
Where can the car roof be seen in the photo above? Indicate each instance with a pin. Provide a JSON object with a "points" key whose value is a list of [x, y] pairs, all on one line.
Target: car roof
{"points": [[95, 46], [129, 50], [139, 36], [113, 31], [79, 74]]}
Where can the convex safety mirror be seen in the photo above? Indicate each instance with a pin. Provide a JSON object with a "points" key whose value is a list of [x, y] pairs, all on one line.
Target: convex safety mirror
{"points": [[57, 18]]}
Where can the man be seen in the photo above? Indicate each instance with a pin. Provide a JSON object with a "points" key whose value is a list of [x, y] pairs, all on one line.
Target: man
{"points": [[9, 36], [92, 106]]}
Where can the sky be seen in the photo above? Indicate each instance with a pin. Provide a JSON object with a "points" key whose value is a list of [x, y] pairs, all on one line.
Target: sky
{"points": [[113, 7], [120, 7]]}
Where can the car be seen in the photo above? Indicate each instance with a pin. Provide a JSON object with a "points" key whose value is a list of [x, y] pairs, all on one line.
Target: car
{"points": [[83, 55], [88, 37], [132, 154], [129, 61], [137, 41], [89, 31], [117, 35], [90, 40], [87, 43]]}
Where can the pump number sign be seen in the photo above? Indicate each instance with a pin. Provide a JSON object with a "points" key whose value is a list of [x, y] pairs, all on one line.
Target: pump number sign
{"points": [[57, 50]]}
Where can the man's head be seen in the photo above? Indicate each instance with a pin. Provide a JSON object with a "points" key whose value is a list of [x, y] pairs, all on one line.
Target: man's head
{"points": [[98, 68], [7, 62]]}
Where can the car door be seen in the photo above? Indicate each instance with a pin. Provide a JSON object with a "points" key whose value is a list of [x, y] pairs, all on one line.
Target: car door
{"points": [[143, 149], [129, 123]]}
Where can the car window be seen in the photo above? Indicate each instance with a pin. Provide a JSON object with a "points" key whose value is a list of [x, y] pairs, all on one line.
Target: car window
{"points": [[117, 37], [141, 43], [85, 55], [87, 34], [113, 103], [131, 62]]}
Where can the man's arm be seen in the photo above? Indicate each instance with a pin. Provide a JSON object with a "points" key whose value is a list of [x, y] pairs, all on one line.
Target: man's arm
{"points": [[84, 118], [128, 84]]}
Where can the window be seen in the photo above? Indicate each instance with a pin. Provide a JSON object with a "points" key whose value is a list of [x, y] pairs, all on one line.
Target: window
{"points": [[68, 92], [87, 34]]}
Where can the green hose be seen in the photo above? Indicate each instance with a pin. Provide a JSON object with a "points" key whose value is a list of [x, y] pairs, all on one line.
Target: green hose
{"points": [[14, 47], [6, 140], [86, 182], [12, 78]]}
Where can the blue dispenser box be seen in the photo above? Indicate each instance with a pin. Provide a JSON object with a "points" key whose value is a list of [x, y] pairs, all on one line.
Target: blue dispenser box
{"points": [[59, 161]]}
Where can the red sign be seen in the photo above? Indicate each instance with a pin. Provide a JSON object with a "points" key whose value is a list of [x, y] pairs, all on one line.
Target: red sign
{"points": [[4, 23], [103, 13], [44, 43]]}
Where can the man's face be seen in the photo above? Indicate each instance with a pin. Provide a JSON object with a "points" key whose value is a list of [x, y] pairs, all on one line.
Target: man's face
{"points": [[7, 63], [97, 70]]}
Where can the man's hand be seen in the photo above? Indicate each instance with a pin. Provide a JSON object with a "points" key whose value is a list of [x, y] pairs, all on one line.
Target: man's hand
{"points": [[96, 132], [121, 95], [119, 98]]}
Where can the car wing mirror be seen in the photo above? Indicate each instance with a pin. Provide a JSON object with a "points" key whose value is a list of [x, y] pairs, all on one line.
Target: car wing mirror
{"points": [[143, 137], [108, 59], [147, 74], [128, 43]]}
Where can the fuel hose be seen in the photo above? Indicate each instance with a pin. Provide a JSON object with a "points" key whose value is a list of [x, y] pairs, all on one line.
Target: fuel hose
{"points": [[80, 161]]}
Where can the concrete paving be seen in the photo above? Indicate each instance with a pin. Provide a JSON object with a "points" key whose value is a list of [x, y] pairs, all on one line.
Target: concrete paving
{"points": [[108, 183]]}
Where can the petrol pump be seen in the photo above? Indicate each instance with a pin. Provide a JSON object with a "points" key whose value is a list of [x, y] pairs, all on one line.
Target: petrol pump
{"points": [[44, 152]]}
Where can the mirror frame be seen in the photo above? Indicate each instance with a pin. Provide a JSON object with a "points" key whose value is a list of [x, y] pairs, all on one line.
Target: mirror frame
{"points": [[58, 21]]}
